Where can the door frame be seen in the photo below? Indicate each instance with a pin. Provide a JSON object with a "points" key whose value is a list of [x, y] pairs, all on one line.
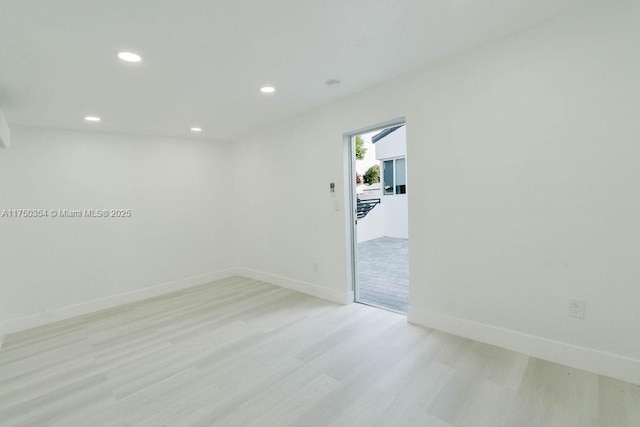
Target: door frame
{"points": [[350, 203]]}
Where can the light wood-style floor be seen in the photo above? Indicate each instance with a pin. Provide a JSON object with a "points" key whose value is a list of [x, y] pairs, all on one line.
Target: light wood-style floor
{"points": [[241, 352]]}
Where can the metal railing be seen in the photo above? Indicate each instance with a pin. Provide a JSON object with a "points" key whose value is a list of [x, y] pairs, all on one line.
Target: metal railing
{"points": [[365, 206]]}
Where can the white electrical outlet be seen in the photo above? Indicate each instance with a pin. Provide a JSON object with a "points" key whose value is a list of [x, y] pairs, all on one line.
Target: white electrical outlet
{"points": [[576, 309]]}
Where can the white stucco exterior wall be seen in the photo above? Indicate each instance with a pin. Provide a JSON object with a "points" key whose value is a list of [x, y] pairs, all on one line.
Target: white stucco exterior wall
{"points": [[392, 145]]}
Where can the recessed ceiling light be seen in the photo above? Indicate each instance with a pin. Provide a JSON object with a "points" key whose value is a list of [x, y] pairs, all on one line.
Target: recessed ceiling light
{"points": [[92, 118], [267, 89], [129, 57], [196, 129]]}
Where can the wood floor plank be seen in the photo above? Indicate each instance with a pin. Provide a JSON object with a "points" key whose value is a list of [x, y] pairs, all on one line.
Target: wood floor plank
{"points": [[243, 352]]}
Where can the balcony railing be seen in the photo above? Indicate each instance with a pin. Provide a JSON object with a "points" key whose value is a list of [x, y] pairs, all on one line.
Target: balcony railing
{"points": [[365, 206]]}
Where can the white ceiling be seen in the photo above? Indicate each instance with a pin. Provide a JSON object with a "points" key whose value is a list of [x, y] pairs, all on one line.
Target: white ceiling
{"points": [[205, 60]]}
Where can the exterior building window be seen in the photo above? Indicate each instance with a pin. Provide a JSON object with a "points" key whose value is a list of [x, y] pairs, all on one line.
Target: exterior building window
{"points": [[394, 176]]}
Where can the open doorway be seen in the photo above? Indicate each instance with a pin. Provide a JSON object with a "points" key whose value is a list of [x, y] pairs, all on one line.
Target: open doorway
{"points": [[380, 235]]}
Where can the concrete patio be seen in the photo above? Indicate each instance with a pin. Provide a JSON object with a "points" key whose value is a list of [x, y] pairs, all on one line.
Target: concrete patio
{"points": [[383, 273]]}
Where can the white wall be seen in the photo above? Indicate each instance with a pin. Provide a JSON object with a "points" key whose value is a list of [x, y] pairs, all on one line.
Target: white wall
{"points": [[389, 218], [372, 226], [392, 145], [396, 207], [524, 180], [396, 215], [2, 330], [180, 195]]}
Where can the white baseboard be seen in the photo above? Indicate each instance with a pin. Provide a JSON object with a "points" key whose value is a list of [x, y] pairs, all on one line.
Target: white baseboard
{"points": [[599, 362], [340, 297], [28, 322]]}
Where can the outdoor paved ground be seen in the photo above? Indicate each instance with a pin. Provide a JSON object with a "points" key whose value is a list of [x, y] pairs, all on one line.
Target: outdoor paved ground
{"points": [[383, 273]]}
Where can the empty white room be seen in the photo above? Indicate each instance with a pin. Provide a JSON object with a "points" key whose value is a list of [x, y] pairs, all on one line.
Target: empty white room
{"points": [[332, 213]]}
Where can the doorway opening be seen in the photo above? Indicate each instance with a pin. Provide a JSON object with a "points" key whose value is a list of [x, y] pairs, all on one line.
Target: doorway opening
{"points": [[379, 220]]}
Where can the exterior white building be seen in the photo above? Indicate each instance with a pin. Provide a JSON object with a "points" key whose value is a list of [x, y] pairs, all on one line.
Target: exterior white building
{"points": [[389, 218], [369, 191]]}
